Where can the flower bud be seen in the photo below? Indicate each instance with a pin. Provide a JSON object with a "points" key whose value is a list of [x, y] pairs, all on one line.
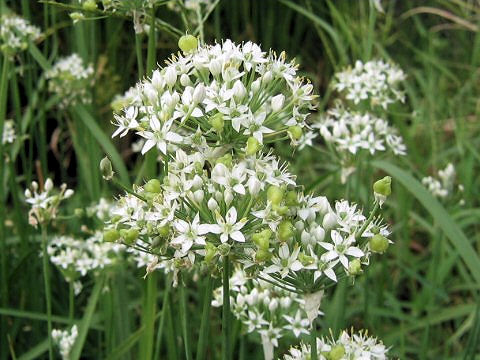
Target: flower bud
{"points": [[157, 80], [106, 168], [153, 186], [355, 267], [199, 93], [76, 16], [227, 197], [383, 186], [185, 80], [329, 221], [252, 146], [256, 85], [337, 352], [267, 77], [90, 5], [254, 185], [285, 302], [217, 122], [378, 243], [275, 194], [277, 102], [285, 230], [198, 195], [111, 235], [215, 67], [170, 76], [212, 204], [295, 132], [273, 305], [48, 186], [188, 43], [262, 255], [239, 90], [319, 234], [68, 193]]}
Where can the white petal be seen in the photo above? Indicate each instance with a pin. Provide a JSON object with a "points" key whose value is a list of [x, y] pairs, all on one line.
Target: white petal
{"points": [[237, 236], [231, 216]]}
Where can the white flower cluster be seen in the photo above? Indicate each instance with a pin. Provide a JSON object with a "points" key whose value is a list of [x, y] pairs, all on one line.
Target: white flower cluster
{"points": [[443, 186], [351, 131], [8, 136], [77, 257], [354, 346], [375, 81], [71, 79], [249, 207], [15, 33], [270, 311], [65, 340], [44, 203], [225, 93]]}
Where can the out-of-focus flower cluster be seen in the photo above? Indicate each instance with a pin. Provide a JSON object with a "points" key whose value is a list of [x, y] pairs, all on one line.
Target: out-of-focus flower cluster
{"points": [[65, 339], [75, 257], [263, 308], [220, 94], [443, 185], [71, 80], [376, 82], [44, 202], [351, 131], [15, 33], [348, 346], [8, 136]]}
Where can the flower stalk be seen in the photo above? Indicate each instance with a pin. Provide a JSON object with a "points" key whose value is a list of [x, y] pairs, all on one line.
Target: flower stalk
{"points": [[46, 278], [226, 310]]}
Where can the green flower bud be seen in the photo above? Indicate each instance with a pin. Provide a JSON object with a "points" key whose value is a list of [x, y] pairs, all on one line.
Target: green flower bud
{"points": [[210, 252], [262, 255], [355, 267], [153, 186], [337, 352], [252, 146], [383, 186], [305, 259], [217, 122], [188, 43], [78, 212], [111, 235], [76, 16], [106, 168], [225, 160], [163, 231], [275, 194], [285, 230], [130, 236], [295, 132], [378, 243], [90, 5], [261, 241], [224, 249], [291, 198]]}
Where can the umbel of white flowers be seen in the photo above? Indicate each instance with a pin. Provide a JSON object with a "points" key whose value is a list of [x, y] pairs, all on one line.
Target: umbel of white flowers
{"points": [[234, 95], [16, 33]]}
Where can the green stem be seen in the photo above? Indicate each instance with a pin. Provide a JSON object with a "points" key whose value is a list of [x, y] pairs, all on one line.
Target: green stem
{"points": [[46, 278], [183, 315], [71, 300], [148, 317], [205, 322], [226, 310], [161, 324], [138, 49], [369, 220], [313, 343]]}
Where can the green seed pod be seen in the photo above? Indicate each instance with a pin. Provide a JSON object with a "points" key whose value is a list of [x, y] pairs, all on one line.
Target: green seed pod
{"points": [[305, 259], [188, 43], [217, 122], [291, 199], [153, 186], [90, 5], [131, 236], [295, 132], [111, 235], [285, 230], [79, 212], [163, 231], [262, 255], [261, 241], [210, 252], [378, 243], [224, 249], [252, 146], [225, 160], [280, 210], [275, 194], [337, 352], [383, 186], [355, 267]]}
